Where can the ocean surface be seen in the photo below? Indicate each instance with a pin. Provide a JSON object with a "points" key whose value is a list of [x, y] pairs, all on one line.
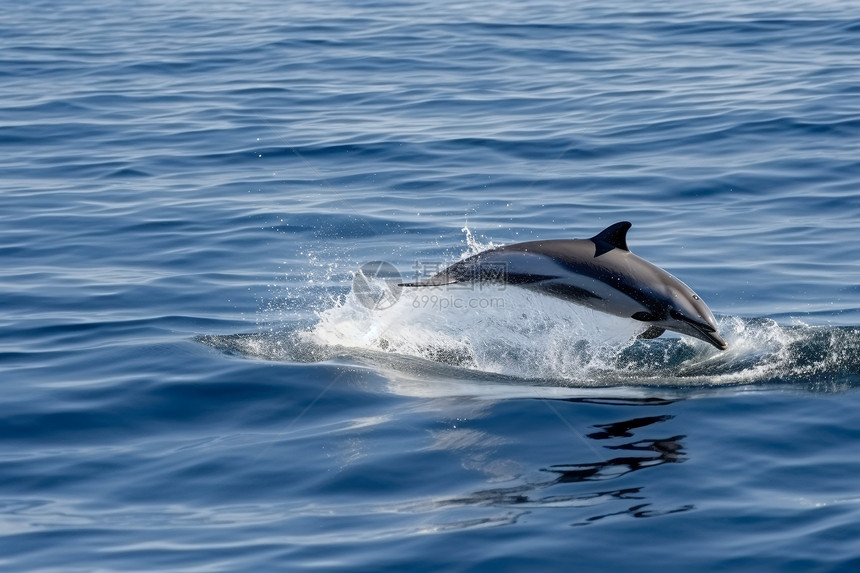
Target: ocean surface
{"points": [[192, 379]]}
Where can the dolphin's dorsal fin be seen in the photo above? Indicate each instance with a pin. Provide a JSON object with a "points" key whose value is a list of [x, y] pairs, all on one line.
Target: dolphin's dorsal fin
{"points": [[612, 237]]}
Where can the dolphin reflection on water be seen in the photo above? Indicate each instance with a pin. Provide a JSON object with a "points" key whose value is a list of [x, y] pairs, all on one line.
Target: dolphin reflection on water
{"points": [[599, 273]]}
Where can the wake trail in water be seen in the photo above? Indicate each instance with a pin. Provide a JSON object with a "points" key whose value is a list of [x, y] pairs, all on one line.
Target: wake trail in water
{"points": [[517, 334], [553, 353], [537, 337]]}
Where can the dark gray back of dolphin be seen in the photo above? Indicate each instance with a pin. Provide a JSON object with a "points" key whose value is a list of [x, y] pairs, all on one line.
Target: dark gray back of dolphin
{"points": [[599, 273]]}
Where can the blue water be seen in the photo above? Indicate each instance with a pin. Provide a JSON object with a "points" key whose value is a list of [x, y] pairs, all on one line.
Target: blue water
{"points": [[189, 382]]}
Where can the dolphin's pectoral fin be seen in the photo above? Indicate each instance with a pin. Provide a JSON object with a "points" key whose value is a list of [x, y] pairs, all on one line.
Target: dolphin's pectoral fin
{"points": [[652, 332], [612, 237], [645, 317]]}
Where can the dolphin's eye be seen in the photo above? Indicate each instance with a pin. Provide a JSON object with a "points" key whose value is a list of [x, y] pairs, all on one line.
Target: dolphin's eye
{"points": [[696, 297]]}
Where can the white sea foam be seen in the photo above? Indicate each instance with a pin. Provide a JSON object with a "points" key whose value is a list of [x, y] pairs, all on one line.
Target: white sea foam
{"points": [[504, 330], [491, 328], [508, 331]]}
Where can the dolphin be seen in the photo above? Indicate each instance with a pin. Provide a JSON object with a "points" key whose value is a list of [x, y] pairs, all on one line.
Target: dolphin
{"points": [[599, 273]]}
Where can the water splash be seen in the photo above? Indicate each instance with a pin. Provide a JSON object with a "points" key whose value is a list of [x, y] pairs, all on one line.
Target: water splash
{"points": [[517, 334], [551, 354], [503, 330], [473, 245]]}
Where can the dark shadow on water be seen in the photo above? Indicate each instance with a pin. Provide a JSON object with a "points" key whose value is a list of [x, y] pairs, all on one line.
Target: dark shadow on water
{"points": [[621, 401], [667, 450], [762, 353], [624, 429], [637, 511], [641, 454]]}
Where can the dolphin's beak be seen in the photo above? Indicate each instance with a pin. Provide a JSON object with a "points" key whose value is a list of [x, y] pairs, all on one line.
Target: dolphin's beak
{"points": [[702, 330], [715, 339], [707, 333]]}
